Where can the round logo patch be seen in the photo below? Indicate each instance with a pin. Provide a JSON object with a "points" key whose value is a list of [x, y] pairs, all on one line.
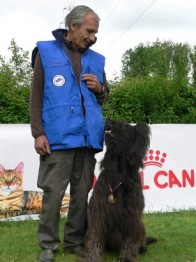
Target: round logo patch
{"points": [[58, 80]]}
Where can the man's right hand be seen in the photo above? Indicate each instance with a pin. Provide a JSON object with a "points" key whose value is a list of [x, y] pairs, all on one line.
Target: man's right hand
{"points": [[42, 146]]}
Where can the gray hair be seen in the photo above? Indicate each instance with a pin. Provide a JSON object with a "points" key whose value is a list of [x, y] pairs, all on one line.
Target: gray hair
{"points": [[77, 14]]}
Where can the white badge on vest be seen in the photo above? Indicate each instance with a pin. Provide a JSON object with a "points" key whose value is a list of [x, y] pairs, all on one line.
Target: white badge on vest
{"points": [[58, 80]]}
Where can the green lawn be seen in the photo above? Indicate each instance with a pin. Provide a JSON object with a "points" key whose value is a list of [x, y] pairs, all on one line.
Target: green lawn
{"points": [[176, 233]]}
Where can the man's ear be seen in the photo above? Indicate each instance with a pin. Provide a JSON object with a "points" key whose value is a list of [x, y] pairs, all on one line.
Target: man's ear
{"points": [[73, 26]]}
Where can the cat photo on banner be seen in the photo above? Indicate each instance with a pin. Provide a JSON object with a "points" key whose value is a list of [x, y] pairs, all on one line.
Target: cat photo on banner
{"points": [[14, 201]]}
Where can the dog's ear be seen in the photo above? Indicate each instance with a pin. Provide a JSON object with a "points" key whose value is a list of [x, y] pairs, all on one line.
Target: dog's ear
{"points": [[139, 144]]}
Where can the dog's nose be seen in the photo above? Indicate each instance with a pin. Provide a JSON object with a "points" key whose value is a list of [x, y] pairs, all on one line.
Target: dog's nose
{"points": [[108, 123]]}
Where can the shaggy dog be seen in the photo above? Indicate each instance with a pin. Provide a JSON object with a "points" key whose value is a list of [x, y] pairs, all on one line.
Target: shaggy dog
{"points": [[117, 202]]}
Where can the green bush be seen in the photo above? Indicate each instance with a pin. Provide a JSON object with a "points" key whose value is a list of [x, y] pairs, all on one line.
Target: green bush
{"points": [[151, 100]]}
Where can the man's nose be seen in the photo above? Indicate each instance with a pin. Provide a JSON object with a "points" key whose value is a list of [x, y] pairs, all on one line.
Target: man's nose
{"points": [[92, 37]]}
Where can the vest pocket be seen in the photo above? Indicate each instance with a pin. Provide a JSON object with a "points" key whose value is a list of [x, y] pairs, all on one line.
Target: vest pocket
{"points": [[64, 125]]}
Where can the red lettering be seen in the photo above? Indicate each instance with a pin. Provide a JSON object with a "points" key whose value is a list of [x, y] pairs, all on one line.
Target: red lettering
{"points": [[156, 181], [163, 179], [186, 178], [173, 180], [145, 187]]}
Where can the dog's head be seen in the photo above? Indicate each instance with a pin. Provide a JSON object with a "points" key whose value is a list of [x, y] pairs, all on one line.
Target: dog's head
{"points": [[127, 142]]}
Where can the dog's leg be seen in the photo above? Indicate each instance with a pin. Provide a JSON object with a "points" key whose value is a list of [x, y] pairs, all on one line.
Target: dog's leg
{"points": [[142, 246], [94, 241], [128, 252], [135, 238], [94, 246]]}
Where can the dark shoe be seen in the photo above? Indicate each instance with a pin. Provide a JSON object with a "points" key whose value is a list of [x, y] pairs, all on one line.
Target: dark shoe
{"points": [[78, 250], [47, 255]]}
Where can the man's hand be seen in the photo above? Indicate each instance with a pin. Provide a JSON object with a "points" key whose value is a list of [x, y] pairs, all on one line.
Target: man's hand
{"points": [[42, 146], [92, 82]]}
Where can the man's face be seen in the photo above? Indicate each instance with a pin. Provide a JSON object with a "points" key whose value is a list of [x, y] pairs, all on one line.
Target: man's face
{"points": [[85, 34]]}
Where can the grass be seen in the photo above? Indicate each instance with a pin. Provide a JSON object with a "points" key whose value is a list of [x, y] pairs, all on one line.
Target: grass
{"points": [[176, 233]]}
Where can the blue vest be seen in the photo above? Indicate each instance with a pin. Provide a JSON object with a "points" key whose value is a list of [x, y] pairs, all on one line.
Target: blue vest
{"points": [[64, 122]]}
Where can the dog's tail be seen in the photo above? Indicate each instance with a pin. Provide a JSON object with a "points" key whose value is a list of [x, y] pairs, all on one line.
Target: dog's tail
{"points": [[149, 240]]}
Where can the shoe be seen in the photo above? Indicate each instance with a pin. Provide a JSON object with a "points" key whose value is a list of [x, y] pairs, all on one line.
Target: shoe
{"points": [[78, 250], [47, 255]]}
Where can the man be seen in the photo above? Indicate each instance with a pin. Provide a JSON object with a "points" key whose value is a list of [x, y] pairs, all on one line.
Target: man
{"points": [[68, 89]]}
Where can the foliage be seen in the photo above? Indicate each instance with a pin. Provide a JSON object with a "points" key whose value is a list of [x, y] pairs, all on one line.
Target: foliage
{"points": [[151, 100], [158, 85], [15, 79], [14, 104], [165, 59], [175, 232]]}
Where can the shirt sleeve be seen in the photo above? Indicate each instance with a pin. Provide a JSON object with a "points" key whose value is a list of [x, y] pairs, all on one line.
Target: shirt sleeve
{"points": [[102, 97], [36, 98]]}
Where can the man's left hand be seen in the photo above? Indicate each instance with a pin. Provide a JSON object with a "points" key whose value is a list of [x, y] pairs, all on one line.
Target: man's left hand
{"points": [[92, 82]]}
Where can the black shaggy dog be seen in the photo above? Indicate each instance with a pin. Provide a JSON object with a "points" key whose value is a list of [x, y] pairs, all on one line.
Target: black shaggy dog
{"points": [[117, 202]]}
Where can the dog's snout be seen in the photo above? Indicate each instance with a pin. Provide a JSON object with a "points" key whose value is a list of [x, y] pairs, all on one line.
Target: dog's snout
{"points": [[108, 124]]}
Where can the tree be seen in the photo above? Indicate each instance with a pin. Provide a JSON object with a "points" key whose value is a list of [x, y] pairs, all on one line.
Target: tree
{"points": [[157, 86], [18, 65], [165, 59], [15, 81], [193, 61]]}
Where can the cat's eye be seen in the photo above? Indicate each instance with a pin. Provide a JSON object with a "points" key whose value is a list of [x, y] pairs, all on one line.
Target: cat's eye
{"points": [[3, 179], [14, 178]]}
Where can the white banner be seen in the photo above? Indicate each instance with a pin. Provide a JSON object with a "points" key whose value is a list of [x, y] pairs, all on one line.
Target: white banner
{"points": [[169, 175]]}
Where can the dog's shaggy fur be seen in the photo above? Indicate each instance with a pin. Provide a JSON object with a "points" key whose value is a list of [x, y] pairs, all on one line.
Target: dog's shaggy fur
{"points": [[118, 226]]}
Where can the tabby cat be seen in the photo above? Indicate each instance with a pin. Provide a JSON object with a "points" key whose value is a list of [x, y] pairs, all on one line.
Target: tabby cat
{"points": [[14, 201]]}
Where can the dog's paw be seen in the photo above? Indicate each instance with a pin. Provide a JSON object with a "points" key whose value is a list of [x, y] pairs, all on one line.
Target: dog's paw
{"points": [[128, 260], [142, 250]]}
